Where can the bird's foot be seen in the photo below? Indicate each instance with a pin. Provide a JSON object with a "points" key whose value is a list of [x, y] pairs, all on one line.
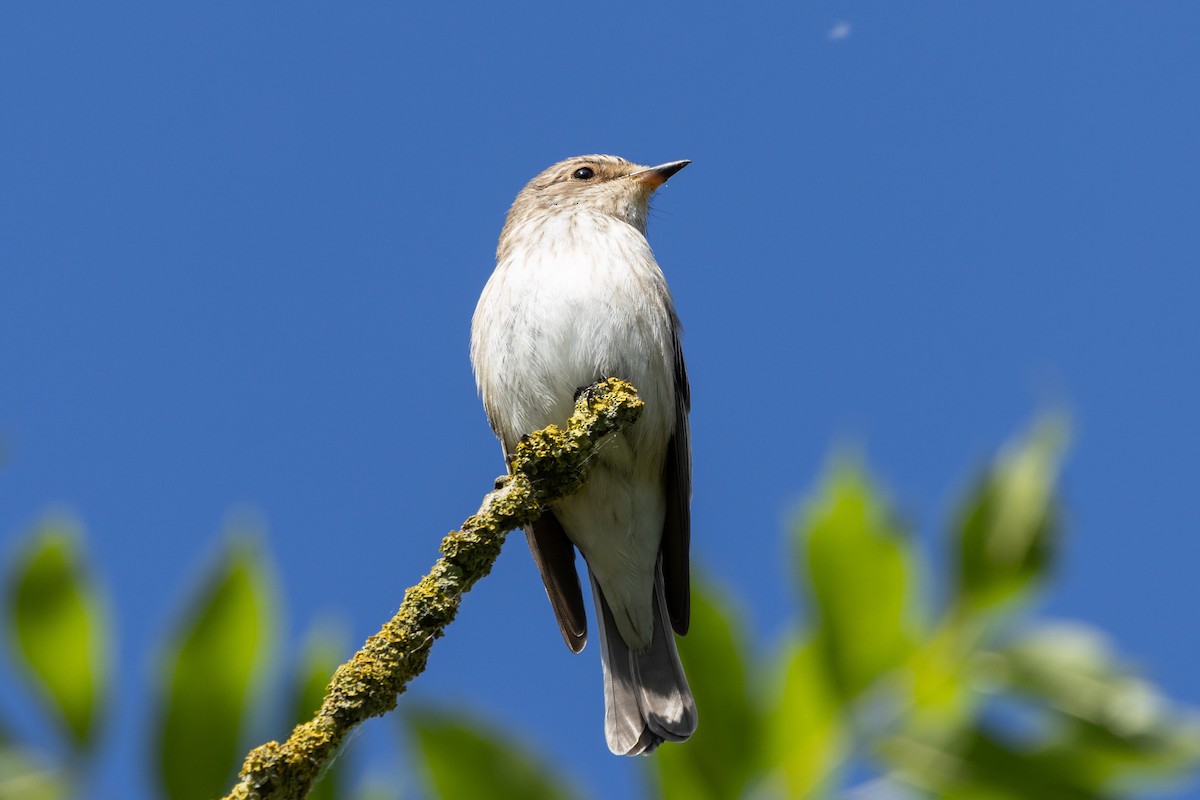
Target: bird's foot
{"points": [[511, 457], [588, 389]]}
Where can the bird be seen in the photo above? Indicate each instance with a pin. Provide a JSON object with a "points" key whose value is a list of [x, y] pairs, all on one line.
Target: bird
{"points": [[577, 296]]}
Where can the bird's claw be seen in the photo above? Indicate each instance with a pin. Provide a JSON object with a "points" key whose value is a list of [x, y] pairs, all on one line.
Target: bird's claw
{"points": [[582, 390]]}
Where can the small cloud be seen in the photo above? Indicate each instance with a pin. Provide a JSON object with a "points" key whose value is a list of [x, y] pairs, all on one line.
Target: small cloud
{"points": [[839, 31]]}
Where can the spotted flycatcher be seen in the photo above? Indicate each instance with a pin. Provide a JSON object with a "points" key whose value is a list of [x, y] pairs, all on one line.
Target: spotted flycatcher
{"points": [[577, 296]]}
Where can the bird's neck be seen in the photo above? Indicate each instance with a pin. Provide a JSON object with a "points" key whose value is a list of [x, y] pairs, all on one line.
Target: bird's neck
{"points": [[566, 228]]}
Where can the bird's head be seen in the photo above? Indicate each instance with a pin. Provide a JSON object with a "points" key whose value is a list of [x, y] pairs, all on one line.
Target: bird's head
{"points": [[601, 184]]}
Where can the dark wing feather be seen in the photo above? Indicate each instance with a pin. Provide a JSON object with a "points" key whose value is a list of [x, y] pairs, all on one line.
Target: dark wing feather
{"points": [[677, 480], [555, 558]]}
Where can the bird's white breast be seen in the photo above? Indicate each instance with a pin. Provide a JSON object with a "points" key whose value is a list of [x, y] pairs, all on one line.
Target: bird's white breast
{"points": [[578, 296]]}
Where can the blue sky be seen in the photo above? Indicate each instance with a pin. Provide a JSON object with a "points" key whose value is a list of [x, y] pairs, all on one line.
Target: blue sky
{"points": [[240, 247]]}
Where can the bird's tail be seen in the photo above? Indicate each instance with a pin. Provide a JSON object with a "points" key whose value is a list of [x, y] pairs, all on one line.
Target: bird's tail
{"points": [[646, 696]]}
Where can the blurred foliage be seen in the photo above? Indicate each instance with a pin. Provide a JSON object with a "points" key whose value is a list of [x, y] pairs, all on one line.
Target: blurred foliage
{"points": [[23, 777], [207, 678], [499, 768], [720, 763], [882, 697], [58, 625], [883, 693]]}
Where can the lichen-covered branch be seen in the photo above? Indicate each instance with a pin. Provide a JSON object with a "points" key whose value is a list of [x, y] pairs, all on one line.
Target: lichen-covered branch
{"points": [[548, 465]]}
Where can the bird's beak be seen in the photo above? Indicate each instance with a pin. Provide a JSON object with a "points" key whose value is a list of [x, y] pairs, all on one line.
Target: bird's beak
{"points": [[655, 177]]}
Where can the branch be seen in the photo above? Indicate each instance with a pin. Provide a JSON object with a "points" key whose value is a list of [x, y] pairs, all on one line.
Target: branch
{"points": [[547, 466]]}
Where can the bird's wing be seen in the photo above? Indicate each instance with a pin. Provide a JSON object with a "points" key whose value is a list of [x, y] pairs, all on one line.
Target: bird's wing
{"points": [[555, 558], [677, 480]]}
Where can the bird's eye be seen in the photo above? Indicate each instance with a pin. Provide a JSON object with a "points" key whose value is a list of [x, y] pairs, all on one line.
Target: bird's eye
{"points": [[583, 174]]}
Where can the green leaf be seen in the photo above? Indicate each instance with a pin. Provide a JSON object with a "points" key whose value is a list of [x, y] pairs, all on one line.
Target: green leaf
{"points": [[23, 778], [374, 788], [983, 765], [208, 674], [1008, 527], [807, 734], [858, 566], [466, 759], [940, 700], [323, 652], [1092, 731], [720, 758], [1117, 725], [59, 626]]}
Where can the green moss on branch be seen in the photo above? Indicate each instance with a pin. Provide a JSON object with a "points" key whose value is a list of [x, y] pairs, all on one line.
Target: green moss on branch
{"points": [[548, 465]]}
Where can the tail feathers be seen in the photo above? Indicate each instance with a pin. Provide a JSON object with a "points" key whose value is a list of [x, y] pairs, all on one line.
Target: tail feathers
{"points": [[646, 696]]}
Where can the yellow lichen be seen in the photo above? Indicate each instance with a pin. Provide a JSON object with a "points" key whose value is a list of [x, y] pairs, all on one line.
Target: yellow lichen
{"points": [[548, 465]]}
